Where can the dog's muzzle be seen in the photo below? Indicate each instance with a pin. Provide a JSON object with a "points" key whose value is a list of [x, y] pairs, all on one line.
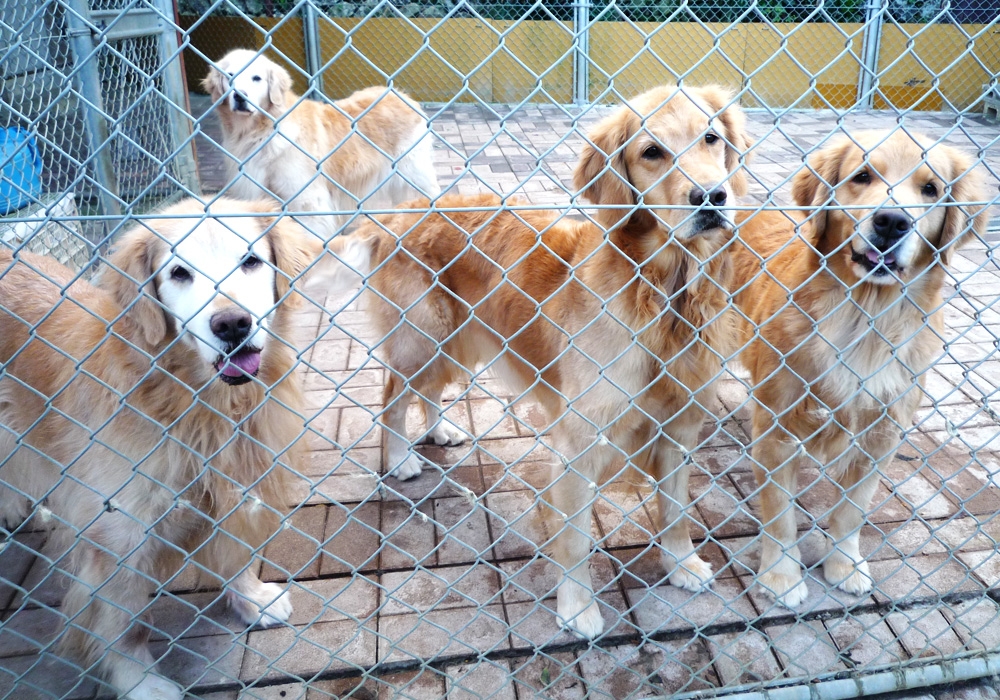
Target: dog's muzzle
{"points": [[710, 220], [240, 103], [889, 227], [710, 215], [240, 362]]}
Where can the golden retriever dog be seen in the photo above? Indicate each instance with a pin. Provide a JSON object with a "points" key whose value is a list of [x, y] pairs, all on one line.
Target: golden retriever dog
{"points": [[844, 320], [368, 151], [618, 329], [154, 416]]}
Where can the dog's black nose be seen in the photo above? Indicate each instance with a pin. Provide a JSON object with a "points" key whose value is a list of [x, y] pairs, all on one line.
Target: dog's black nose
{"points": [[891, 225], [239, 101], [231, 326], [716, 197]]}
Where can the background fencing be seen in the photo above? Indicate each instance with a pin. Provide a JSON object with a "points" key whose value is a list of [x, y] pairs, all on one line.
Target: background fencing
{"points": [[435, 586]]}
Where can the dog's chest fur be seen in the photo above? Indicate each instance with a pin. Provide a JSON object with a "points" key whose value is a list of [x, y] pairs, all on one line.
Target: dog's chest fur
{"points": [[872, 357], [266, 158], [659, 341]]}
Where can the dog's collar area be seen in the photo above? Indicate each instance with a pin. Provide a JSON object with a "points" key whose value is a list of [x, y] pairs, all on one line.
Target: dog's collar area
{"points": [[240, 366]]}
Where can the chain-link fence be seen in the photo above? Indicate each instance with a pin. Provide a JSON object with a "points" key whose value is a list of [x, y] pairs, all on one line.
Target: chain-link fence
{"points": [[658, 350]]}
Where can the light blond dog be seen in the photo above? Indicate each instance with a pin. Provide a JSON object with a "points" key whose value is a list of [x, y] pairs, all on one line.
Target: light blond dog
{"points": [[619, 335], [844, 321], [368, 151], [155, 416]]}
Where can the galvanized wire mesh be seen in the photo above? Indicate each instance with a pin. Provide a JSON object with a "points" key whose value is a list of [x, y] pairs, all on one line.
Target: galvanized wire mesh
{"points": [[440, 585]]}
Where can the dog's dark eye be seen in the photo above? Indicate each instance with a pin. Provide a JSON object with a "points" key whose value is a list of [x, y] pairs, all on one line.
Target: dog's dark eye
{"points": [[711, 138], [252, 262], [256, 78], [930, 190], [652, 153], [862, 178], [180, 274]]}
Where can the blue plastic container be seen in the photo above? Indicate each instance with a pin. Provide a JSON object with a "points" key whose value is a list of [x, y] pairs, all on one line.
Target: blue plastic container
{"points": [[20, 169]]}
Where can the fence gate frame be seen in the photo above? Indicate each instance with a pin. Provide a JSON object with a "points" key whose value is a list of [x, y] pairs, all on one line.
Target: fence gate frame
{"points": [[88, 31]]}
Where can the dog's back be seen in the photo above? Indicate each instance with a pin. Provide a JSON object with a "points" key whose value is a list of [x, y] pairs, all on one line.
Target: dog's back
{"points": [[446, 265]]}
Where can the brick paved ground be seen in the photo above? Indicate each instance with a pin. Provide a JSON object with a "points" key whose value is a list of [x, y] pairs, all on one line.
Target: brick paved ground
{"points": [[435, 584]]}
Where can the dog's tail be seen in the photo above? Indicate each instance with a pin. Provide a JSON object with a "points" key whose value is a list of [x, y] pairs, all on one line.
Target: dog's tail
{"points": [[346, 262]]}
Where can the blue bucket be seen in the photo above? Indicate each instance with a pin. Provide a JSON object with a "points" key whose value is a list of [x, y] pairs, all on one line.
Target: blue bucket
{"points": [[20, 169]]}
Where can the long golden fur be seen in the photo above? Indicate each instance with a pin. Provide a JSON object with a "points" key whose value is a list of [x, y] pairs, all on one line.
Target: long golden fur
{"points": [[644, 304], [842, 323], [278, 139], [145, 445]]}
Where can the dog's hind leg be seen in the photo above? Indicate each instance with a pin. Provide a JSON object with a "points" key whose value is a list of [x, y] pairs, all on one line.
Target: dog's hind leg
{"points": [[439, 430], [398, 459]]}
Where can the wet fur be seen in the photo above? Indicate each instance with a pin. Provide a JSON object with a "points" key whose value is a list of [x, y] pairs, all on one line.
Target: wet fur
{"points": [[128, 477], [846, 412]]}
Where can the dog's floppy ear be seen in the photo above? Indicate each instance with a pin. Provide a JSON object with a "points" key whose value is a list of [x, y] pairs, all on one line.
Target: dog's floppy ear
{"points": [[213, 82], [813, 185], [734, 126], [965, 187], [279, 82], [130, 278], [293, 250], [601, 175]]}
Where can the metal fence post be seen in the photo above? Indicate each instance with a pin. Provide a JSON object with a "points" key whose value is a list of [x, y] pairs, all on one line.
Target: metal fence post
{"points": [[178, 108], [870, 52], [581, 58], [310, 31], [88, 81]]}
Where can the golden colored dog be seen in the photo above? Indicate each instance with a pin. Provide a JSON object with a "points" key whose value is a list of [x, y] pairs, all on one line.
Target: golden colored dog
{"points": [[617, 330], [845, 319], [154, 415]]}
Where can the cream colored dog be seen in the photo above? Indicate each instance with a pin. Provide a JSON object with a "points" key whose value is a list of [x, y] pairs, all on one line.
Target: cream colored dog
{"points": [[369, 151], [155, 416]]}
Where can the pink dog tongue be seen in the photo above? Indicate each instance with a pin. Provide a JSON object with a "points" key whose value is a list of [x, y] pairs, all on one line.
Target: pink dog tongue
{"points": [[247, 361], [872, 256]]}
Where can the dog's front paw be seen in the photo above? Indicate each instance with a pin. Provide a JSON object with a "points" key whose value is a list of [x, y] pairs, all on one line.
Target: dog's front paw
{"points": [[692, 573], [585, 619], [577, 610], [277, 612], [154, 687], [446, 433], [786, 588], [266, 605], [847, 575], [407, 469]]}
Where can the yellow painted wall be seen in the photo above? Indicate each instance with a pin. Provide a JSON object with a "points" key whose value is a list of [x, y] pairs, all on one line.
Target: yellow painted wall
{"points": [[628, 58], [214, 37], [433, 60], [942, 48], [783, 65]]}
